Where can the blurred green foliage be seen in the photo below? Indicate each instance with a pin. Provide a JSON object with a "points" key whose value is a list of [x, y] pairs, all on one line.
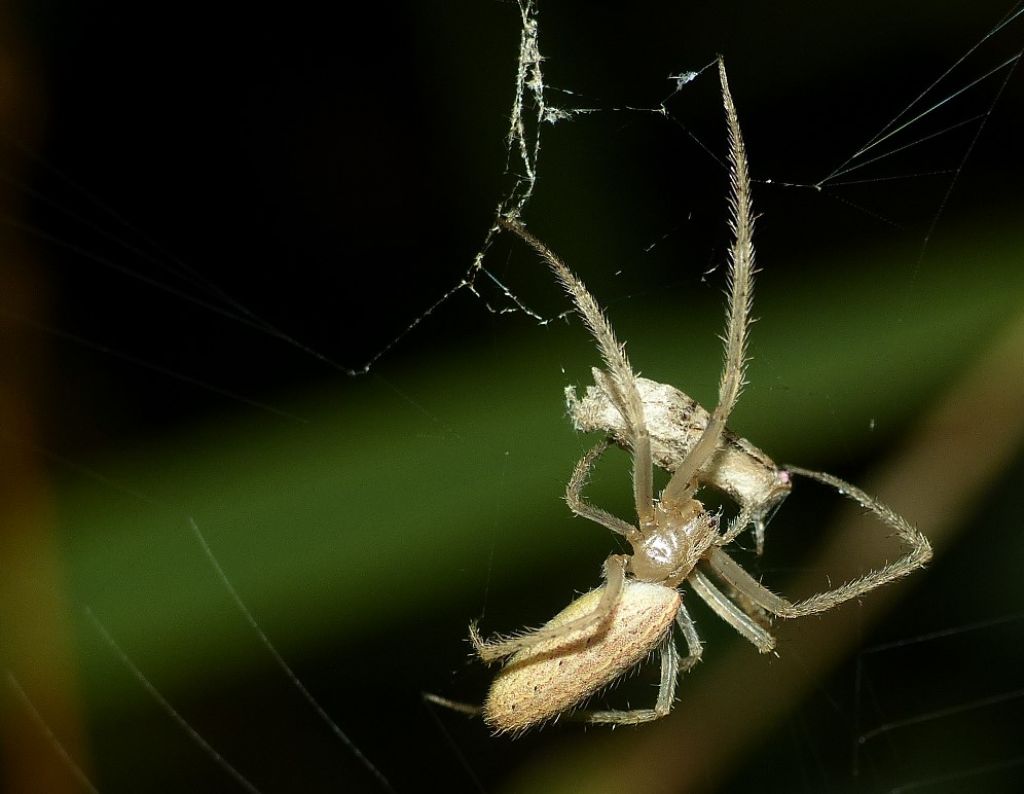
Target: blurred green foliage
{"points": [[381, 500]]}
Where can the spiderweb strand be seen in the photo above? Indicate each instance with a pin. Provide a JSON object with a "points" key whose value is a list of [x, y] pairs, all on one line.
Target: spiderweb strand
{"points": [[184, 724], [281, 663], [894, 125], [529, 112], [45, 729]]}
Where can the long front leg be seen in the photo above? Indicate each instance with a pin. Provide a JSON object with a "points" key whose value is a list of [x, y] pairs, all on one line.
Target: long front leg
{"points": [[620, 383], [741, 289]]}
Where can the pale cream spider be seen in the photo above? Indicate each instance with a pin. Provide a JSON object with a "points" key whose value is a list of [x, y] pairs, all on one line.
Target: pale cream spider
{"points": [[606, 632]]}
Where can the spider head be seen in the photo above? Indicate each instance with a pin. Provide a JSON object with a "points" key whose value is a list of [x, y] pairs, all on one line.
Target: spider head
{"points": [[667, 548]]}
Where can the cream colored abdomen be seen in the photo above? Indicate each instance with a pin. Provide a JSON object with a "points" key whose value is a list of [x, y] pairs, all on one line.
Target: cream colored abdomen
{"points": [[541, 682]]}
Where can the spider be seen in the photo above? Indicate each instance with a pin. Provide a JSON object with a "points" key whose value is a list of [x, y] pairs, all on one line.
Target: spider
{"points": [[604, 633]]}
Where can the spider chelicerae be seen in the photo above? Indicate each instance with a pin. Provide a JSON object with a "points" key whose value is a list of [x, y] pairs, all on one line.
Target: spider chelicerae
{"points": [[675, 540]]}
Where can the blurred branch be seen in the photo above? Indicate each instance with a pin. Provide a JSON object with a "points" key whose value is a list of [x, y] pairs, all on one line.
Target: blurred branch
{"points": [[35, 643]]}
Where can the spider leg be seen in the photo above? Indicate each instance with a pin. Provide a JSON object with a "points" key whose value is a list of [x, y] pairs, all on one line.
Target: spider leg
{"points": [[455, 705], [738, 524], [694, 647], [583, 508], [919, 552], [671, 667], [730, 613], [620, 384], [666, 693], [731, 572], [758, 531], [615, 579], [741, 290]]}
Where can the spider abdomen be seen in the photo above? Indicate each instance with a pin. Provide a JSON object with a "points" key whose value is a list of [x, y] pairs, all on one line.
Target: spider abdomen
{"points": [[542, 681]]}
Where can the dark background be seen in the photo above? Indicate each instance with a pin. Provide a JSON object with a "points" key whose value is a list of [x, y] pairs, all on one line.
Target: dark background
{"points": [[178, 175]]}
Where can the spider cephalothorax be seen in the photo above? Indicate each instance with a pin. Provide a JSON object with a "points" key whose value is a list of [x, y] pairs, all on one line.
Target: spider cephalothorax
{"points": [[666, 549]]}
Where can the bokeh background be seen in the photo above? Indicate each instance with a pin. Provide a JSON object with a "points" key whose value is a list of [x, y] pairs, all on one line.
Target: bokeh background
{"points": [[209, 213]]}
